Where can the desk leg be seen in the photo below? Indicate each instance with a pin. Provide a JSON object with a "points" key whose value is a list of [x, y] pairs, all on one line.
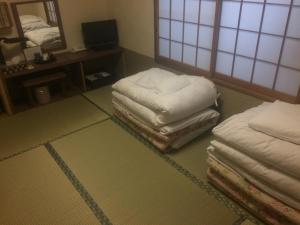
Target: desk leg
{"points": [[82, 77], [5, 97]]}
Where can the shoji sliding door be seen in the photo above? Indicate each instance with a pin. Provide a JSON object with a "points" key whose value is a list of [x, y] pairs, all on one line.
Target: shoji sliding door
{"points": [[259, 42], [250, 43], [185, 33]]}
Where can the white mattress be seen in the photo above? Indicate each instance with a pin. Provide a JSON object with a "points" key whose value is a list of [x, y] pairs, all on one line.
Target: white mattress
{"points": [[272, 152], [185, 139], [268, 179], [147, 116], [208, 117], [169, 96], [43, 36]]}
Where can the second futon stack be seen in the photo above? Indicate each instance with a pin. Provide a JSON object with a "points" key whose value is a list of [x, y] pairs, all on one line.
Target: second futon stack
{"points": [[167, 109]]}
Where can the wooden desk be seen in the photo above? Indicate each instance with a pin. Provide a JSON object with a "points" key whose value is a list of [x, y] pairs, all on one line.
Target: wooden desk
{"points": [[62, 60]]}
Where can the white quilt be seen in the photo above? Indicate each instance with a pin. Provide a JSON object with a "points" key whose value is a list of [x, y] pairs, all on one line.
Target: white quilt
{"points": [[235, 132], [171, 97], [279, 185], [280, 120], [31, 22], [123, 104], [44, 35], [150, 118], [191, 136]]}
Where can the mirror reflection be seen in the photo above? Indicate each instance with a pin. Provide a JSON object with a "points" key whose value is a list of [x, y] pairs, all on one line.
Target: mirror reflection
{"points": [[39, 24]]}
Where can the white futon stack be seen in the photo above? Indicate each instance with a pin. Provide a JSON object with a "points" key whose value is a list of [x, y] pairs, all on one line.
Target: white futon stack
{"points": [[256, 159], [169, 110]]}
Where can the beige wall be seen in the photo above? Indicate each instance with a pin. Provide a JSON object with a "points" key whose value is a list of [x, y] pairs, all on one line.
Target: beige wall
{"points": [[36, 9], [136, 24], [73, 13]]}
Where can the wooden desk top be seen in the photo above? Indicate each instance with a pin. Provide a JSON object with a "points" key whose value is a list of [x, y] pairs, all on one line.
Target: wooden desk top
{"points": [[66, 58]]}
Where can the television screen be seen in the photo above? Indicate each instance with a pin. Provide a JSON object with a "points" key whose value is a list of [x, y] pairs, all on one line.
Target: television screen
{"points": [[100, 34]]}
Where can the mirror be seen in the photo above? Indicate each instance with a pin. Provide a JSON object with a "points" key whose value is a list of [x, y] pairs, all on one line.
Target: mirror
{"points": [[40, 22]]}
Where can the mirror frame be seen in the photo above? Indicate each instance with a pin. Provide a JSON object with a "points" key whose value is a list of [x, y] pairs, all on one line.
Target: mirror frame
{"points": [[14, 6]]}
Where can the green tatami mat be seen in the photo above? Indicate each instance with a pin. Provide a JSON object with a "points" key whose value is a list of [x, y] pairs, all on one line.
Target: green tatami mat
{"points": [[39, 125], [134, 186], [35, 191], [101, 97], [193, 156], [247, 222]]}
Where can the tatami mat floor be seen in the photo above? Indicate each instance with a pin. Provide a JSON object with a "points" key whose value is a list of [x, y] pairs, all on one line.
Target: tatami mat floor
{"points": [[37, 126], [33, 190], [104, 173]]}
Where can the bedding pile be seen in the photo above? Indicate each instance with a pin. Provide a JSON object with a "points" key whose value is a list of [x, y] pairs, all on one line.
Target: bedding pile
{"points": [[256, 159], [39, 33], [44, 35], [167, 109]]}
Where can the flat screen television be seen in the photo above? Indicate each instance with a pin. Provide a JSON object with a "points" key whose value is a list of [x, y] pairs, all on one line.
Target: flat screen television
{"points": [[100, 34]]}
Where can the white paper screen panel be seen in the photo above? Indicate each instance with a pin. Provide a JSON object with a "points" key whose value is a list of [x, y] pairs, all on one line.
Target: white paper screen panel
{"points": [[164, 8], [203, 59], [177, 9], [205, 37], [243, 68], [176, 51], [227, 39], [246, 44], [269, 48], [164, 47], [291, 53], [190, 33], [164, 28], [192, 11], [176, 31], [224, 63], [264, 74], [294, 25], [230, 14], [283, 2], [189, 55], [207, 12], [296, 2], [251, 16], [288, 81], [275, 19]]}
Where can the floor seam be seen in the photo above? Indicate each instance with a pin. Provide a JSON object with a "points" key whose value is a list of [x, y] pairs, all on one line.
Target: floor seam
{"points": [[20, 153], [97, 106], [238, 210], [52, 140], [85, 195]]}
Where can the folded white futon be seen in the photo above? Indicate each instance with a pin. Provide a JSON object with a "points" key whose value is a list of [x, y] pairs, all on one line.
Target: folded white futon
{"points": [[172, 105], [260, 150]]}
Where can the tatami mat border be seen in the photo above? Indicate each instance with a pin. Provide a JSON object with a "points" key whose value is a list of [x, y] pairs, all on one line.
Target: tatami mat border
{"points": [[202, 184], [98, 212]]}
